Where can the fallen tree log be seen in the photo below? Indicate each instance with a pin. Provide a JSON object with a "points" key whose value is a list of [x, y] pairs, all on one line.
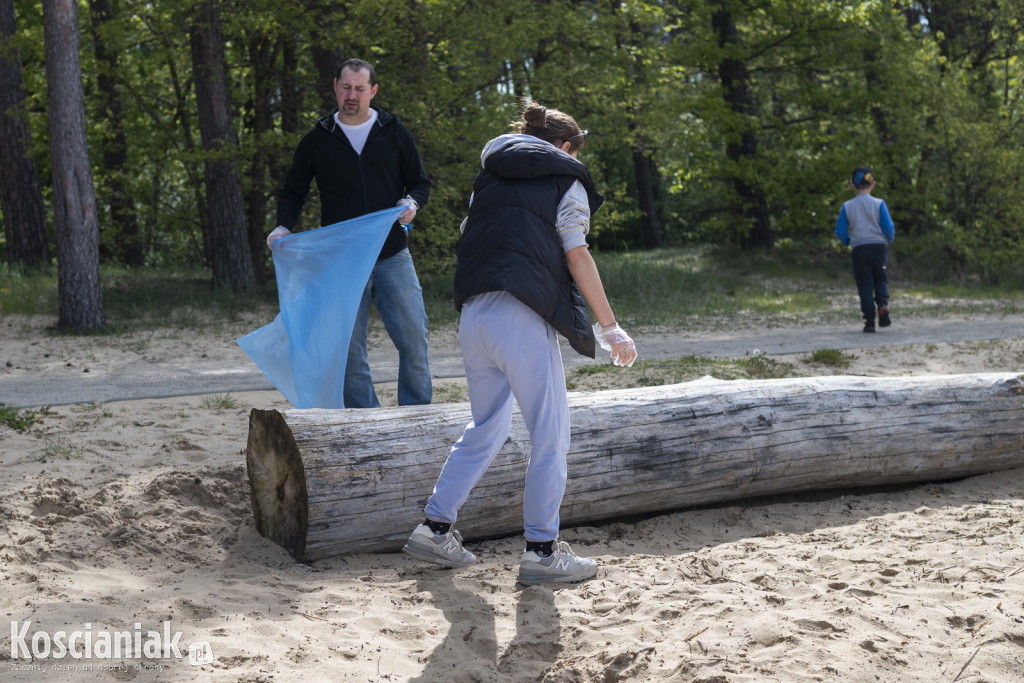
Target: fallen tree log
{"points": [[326, 482]]}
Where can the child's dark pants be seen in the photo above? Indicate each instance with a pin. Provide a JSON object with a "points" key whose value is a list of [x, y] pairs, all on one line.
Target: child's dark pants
{"points": [[870, 275]]}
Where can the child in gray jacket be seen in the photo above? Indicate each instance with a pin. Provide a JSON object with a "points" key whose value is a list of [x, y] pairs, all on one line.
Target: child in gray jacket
{"points": [[865, 224]]}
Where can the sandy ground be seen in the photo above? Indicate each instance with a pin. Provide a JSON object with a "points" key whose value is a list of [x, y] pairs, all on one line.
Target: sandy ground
{"points": [[134, 517]]}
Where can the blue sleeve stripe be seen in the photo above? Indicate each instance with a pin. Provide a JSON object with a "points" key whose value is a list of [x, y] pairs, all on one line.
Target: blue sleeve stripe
{"points": [[888, 227]]}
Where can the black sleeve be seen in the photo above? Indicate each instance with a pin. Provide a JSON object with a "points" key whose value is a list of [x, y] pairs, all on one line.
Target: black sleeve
{"points": [[296, 185], [414, 176]]}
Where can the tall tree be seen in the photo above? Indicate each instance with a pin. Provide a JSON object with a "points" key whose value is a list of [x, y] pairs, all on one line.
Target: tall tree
{"points": [[741, 139], [115, 188], [79, 299], [263, 52], [644, 170], [229, 240], [21, 199]]}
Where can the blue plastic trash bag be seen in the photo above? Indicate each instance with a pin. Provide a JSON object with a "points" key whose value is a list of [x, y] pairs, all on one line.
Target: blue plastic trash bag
{"points": [[321, 275]]}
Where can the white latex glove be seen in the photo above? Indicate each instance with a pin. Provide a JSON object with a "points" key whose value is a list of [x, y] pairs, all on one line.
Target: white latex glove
{"points": [[405, 218], [277, 233], [615, 340]]}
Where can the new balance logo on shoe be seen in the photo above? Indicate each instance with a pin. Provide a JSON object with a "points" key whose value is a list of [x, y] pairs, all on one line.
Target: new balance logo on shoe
{"points": [[562, 566], [445, 549]]}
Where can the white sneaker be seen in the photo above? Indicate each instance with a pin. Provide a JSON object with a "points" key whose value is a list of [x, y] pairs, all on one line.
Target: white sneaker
{"points": [[444, 549], [561, 566]]}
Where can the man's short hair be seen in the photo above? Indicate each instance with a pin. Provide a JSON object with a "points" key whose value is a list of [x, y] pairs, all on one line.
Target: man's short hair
{"points": [[357, 65]]}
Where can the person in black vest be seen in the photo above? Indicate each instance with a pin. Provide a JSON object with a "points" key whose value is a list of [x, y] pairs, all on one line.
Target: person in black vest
{"points": [[524, 273]]}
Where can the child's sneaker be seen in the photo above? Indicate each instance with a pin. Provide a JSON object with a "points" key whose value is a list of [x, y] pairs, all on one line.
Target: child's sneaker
{"points": [[444, 549], [869, 326], [561, 566], [883, 317]]}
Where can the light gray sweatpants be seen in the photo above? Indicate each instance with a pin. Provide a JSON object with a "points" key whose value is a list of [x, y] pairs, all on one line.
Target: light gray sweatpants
{"points": [[509, 351]]}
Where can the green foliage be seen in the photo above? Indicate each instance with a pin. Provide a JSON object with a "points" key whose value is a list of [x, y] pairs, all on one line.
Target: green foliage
{"points": [[438, 298], [220, 402], [668, 289], [831, 357], [649, 287], [763, 367], [60, 447], [933, 106], [653, 373], [173, 295], [137, 299], [18, 420], [27, 291]]}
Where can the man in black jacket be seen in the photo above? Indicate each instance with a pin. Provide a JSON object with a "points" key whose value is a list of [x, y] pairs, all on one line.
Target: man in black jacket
{"points": [[364, 160]]}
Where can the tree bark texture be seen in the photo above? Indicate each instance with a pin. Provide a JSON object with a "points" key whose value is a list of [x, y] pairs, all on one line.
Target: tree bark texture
{"points": [[326, 482], [80, 302], [115, 189], [21, 198], [644, 171], [229, 240], [263, 53], [733, 74], [326, 61]]}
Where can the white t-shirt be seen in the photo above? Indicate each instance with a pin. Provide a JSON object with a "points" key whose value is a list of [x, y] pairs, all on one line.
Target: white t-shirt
{"points": [[357, 134]]}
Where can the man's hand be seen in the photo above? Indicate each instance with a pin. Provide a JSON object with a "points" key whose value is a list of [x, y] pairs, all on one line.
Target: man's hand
{"points": [[405, 218], [278, 232]]}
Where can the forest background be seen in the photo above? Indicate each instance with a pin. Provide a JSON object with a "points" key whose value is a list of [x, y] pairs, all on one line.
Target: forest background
{"points": [[157, 134]]}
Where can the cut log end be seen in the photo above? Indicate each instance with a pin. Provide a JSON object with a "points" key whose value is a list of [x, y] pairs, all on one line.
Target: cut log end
{"points": [[277, 481]]}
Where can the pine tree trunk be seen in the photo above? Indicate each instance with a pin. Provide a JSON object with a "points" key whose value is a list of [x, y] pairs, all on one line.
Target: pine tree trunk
{"points": [[643, 168], [232, 256], [21, 198], [752, 205], [116, 189], [326, 62], [263, 52], [80, 302]]}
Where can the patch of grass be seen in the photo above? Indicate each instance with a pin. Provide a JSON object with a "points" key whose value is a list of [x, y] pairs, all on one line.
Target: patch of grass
{"points": [[133, 299], [674, 287], [18, 420], [220, 402], [450, 393], [664, 288], [831, 357], [658, 286], [763, 367], [437, 299], [27, 291], [662, 372], [59, 446], [176, 297], [777, 301]]}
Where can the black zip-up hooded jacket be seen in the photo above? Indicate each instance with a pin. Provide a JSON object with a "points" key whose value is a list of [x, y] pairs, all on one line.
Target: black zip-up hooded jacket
{"points": [[351, 184], [511, 244]]}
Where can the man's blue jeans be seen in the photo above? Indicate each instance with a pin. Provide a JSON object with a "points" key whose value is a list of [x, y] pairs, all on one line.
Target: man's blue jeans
{"points": [[395, 289], [872, 280]]}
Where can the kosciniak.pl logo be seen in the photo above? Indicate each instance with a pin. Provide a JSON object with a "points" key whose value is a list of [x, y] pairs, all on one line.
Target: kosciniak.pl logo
{"points": [[103, 644]]}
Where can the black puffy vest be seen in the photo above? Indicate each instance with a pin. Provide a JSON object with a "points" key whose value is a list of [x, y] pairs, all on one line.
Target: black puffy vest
{"points": [[510, 242]]}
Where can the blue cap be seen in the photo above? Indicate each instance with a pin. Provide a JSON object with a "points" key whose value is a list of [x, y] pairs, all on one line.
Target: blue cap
{"points": [[862, 177]]}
